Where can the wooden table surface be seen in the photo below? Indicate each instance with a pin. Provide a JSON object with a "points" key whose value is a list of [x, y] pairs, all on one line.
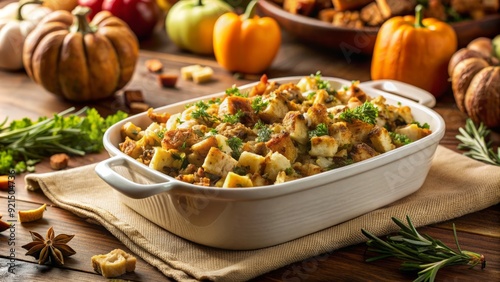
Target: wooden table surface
{"points": [[20, 97]]}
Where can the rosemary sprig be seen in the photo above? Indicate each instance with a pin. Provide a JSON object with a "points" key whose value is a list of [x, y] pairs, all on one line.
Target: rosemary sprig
{"points": [[420, 253], [473, 140]]}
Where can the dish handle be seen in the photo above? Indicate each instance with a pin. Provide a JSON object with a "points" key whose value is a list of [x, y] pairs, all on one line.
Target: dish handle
{"points": [[402, 89], [105, 170]]}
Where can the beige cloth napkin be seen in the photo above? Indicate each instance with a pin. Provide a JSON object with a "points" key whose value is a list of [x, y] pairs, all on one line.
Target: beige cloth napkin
{"points": [[456, 185]]}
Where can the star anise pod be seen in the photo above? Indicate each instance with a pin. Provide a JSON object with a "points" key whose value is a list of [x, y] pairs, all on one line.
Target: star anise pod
{"points": [[52, 248]]}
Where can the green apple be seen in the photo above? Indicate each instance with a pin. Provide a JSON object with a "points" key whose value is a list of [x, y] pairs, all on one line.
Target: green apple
{"points": [[496, 46]]}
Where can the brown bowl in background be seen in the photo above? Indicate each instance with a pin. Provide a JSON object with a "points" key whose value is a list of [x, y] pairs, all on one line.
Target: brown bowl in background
{"points": [[361, 41]]}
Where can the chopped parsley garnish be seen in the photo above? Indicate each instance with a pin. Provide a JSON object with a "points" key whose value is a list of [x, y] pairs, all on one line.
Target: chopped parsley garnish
{"points": [[425, 125], [399, 139], [258, 104], [161, 133], [263, 132], [321, 129], [215, 101], [232, 119], [201, 112], [235, 91], [311, 95], [235, 144], [367, 113], [213, 131], [179, 121], [320, 83]]}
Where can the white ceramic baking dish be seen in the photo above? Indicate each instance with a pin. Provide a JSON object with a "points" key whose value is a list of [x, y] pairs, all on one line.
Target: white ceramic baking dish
{"points": [[251, 218]]}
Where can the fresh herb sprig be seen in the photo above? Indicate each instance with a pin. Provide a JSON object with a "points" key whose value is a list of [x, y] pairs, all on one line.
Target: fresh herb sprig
{"points": [[367, 112], [420, 253], [474, 141], [25, 142]]}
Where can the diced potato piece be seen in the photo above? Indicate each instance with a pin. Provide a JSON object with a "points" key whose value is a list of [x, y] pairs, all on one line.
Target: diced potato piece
{"points": [[222, 144], [234, 180], [295, 123], [187, 72], [340, 132], [173, 121], [283, 144], [275, 111], [275, 162], [131, 131], [413, 132], [251, 161], [323, 146], [381, 140], [362, 151], [219, 163], [166, 158]]}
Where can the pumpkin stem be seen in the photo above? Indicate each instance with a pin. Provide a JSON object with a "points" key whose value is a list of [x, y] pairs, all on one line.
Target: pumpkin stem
{"points": [[19, 15], [419, 16], [81, 24], [200, 2], [250, 10]]}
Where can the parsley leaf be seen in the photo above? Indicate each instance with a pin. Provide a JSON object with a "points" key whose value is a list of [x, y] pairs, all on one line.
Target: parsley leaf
{"points": [[235, 144], [258, 104], [235, 91], [367, 113], [263, 132], [232, 119], [399, 139], [321, 129]]}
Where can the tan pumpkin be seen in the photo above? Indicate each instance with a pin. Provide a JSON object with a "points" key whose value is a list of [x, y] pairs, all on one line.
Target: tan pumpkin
{"points": [[80, 61], [475, 80], [67, 5]]}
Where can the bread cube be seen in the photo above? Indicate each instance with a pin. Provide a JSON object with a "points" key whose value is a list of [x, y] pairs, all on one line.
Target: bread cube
{"points": [[362, 151], [187, 72], [341, 133], [283, 144], [219, 163], [201, 148], [275, 162], [323, 146], [413, 132], [275, 111], [251, 161], [295, 123], [234, 180], [359, 130], [381, 140]]}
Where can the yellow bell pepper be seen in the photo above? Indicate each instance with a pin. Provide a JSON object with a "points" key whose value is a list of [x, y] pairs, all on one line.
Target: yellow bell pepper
{"points": [[414, 50], [246, 43]]}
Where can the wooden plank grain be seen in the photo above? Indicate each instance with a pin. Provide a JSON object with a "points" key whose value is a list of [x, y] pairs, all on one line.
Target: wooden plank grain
{"points": [[90, 239]]}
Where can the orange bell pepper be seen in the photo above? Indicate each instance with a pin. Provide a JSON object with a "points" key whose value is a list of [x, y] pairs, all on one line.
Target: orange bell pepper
{"points": [[416, 51], [246, 43]]}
